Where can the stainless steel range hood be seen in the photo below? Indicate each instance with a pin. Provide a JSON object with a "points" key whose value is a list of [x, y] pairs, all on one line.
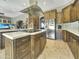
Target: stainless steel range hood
{"points": [[33, 10]]}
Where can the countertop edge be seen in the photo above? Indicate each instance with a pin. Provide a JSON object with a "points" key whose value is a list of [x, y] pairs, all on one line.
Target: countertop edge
{"points": [[77, 34], [25, 34]]}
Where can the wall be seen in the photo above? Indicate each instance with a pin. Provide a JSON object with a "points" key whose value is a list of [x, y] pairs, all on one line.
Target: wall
{"points": [[74, 26], [20, 17]]}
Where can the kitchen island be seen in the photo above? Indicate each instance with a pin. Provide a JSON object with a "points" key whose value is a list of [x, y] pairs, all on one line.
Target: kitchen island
{"points": [[2, 41], [24, 45]]}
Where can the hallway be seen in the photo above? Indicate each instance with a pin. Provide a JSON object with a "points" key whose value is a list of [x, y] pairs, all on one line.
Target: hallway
{"points": [[56, 49]]}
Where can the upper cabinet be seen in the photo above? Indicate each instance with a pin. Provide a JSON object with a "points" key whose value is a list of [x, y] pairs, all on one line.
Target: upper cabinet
{"points": [[73, 13], [77, 9], [50, 14], [46, 15], [66, 14], [59, 17]]}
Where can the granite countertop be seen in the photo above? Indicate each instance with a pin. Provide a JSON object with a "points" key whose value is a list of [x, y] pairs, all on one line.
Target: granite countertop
{"points": [[74, 32], [34, 33], [15, 35]]}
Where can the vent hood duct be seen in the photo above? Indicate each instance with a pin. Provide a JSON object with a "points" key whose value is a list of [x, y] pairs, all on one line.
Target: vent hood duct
{"points": [[33, 10]]}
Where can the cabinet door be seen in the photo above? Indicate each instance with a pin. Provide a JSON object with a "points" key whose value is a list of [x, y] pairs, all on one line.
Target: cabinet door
{"points": [[43, 41], [77, 11], [74, 47], [64, 36], [66, 13], [46, 15], [78, 49], [73, 13], [0, 40], [37, 48], [59, 17], [52, 14]]}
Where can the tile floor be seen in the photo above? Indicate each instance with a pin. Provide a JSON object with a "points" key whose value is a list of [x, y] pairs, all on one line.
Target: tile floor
{"points": [[55, 49]]}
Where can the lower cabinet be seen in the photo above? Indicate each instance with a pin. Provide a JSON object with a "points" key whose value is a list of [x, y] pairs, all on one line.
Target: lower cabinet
{"points": [[37, 47], [18, 48], [73, 46], [38, 44], [78, 49], [66, 36], [28, 47], [73, 42]]}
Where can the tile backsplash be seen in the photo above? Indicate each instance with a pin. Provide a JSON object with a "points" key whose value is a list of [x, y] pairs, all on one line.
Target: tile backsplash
{"points": [[74, 26]]}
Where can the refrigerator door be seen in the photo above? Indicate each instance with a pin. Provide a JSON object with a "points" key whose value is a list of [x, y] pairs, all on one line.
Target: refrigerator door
{"points": [[51, 29]]}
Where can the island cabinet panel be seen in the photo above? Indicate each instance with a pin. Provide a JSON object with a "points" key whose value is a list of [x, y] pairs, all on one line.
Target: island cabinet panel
{"points": [[43, 41], [66, 14], [18, 48], [0, 40], [38, 43]]}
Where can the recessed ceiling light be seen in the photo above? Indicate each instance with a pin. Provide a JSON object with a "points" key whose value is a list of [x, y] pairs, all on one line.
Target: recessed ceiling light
{"points": [[44, 3], [24, 4]]}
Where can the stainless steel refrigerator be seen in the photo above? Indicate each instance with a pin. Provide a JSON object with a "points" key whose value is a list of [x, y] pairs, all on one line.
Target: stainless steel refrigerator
{"points": [[51, 29]]}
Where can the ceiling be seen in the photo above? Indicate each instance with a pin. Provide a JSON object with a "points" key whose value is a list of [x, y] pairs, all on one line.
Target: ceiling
{"points": [[11, 8]]}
